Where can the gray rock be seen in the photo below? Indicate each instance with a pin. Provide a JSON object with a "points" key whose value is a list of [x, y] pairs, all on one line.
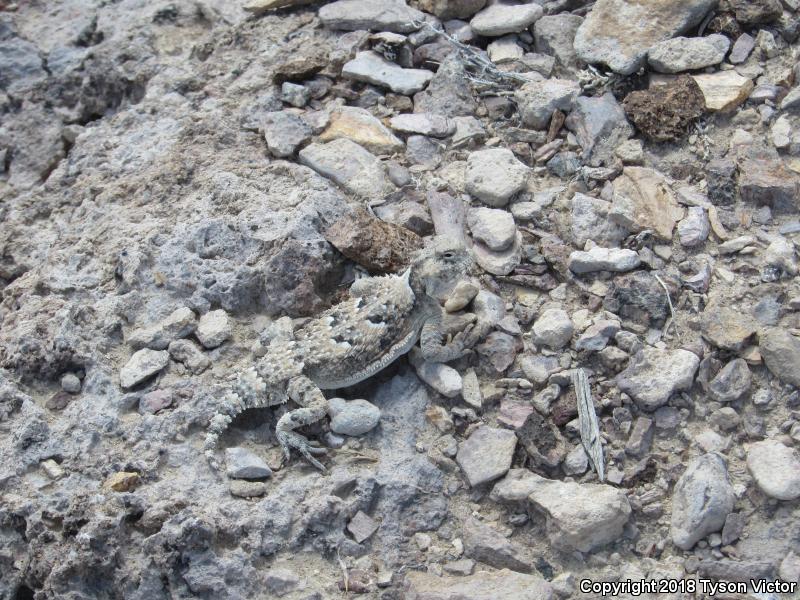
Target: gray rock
{"points": [[590, 221], [285, 132], [247, 489], [371, 67], [489, 307], [495, 175], [732, 382], [188, 353], [467, 129], [576, 462], [538, 100], [781, 352], [279, 581], [362, 526], [619, 33], [653, 375], [452, 9], [505, 50], [693, 229], [500, 19], [142, 365], [688, 54], [493, 227], [742, 48], [553, 329], [423, 124], [641, 437], [564, 164], [486, 455], [449, 92], [780, 255], [498, 262], [155, 401], [597, 335], [579, 517], [214, 328], [408, 214], [179, 324], [374, 15], [424, 152], [351, 166], [497, 585], [354, 418], [243, 464], [600, 125], [70, 383], [443, 378], [21, 67], [596, 259], [702, 499], [295, 94], [733, 528], [775, 468], [489, 546], [789, 569], [554, 35]]}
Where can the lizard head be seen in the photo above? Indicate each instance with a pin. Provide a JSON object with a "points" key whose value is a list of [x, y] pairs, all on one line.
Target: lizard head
{"points": [[442, 262]]}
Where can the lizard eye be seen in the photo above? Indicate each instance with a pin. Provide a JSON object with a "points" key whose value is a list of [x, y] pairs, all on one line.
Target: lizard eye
{"points": [[449, 255]]}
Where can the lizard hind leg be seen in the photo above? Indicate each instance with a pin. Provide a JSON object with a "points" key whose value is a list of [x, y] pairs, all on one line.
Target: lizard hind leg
{"points": [[313, 407]]}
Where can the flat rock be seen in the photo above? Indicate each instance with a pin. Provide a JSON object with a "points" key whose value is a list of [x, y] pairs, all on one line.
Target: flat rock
{"points": [[179, 324], [538, 100], [603, 259], [495, 175], [428, 124], [554, 35], [653, 375], [701, 501], [449, 92], [500, 19], [505, 50], [362, 526], [142, 365], [371, 67], [243, 464], [618, 33], [590, 221], [600, 125], [214, 328], [644, 200], [487, 545], [727, 328], [732, 382], [742, 48], [723, 91], [359, 126], [452, 9], [354, 168], [373, 15], [688, 54], [486, 455], [285, 132], [767, 181], [190, 354], [494, 227], [496, 585], [579, 517], [353, 418], [781, 353], [443, 378], [775, 468]]}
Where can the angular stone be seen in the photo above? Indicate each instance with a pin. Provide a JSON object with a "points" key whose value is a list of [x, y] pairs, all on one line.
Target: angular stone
{"points": [[243, 464], [505, 50], [179, 324], [443, 378], [155, 401], [423, 124], [142, 365], [371, 67], [190, 354], [641, 437], [653, 375], [493, 227], [373, 15], [214, 328], [351, 166], [122, 481], [362, 526], [644, 200], [767, 181], [727, 328], [617, 260], [742, 48], [359, 126], [554, 35], [693, 230], [538, 100], [285, 132], [590, 222], [600, 125], [688, 54], [449, 93], [553, 329], [452, 9], [702, 499], [500, 19], [242, 488], [486, 455], [732, 382], [487, 545], [463, 293], [781, 353], [619, 33], [495, 175], [723, 91], [497, 585]]}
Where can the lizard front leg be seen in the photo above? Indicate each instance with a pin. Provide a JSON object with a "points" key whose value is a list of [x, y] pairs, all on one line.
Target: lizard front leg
{"points": [[436, 329], [313, 407]]}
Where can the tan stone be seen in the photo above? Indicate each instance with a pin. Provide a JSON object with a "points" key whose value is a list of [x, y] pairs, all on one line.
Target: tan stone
{"points": [[497, 585], [724, 90], [359, 126], [121, 481], [644, 200]]}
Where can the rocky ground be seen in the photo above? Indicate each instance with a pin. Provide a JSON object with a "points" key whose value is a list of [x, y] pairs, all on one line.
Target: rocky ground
{"points": [[176, 175]]}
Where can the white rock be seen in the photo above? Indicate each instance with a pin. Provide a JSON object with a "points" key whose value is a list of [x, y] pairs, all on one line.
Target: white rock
{"points": [[214, 328], [693, 229], [353, 418], [493, 227], [423, 124], [504, 49], [443, 378], [553, 328], [688, 54], [776, 469], [495, 175], [143, 364], [374, 15], [498, 262], [538, 100], [500, 19], [617, 260]]}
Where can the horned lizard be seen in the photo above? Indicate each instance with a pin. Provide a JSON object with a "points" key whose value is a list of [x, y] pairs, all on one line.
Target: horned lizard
{"points": [[381, 320]]}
